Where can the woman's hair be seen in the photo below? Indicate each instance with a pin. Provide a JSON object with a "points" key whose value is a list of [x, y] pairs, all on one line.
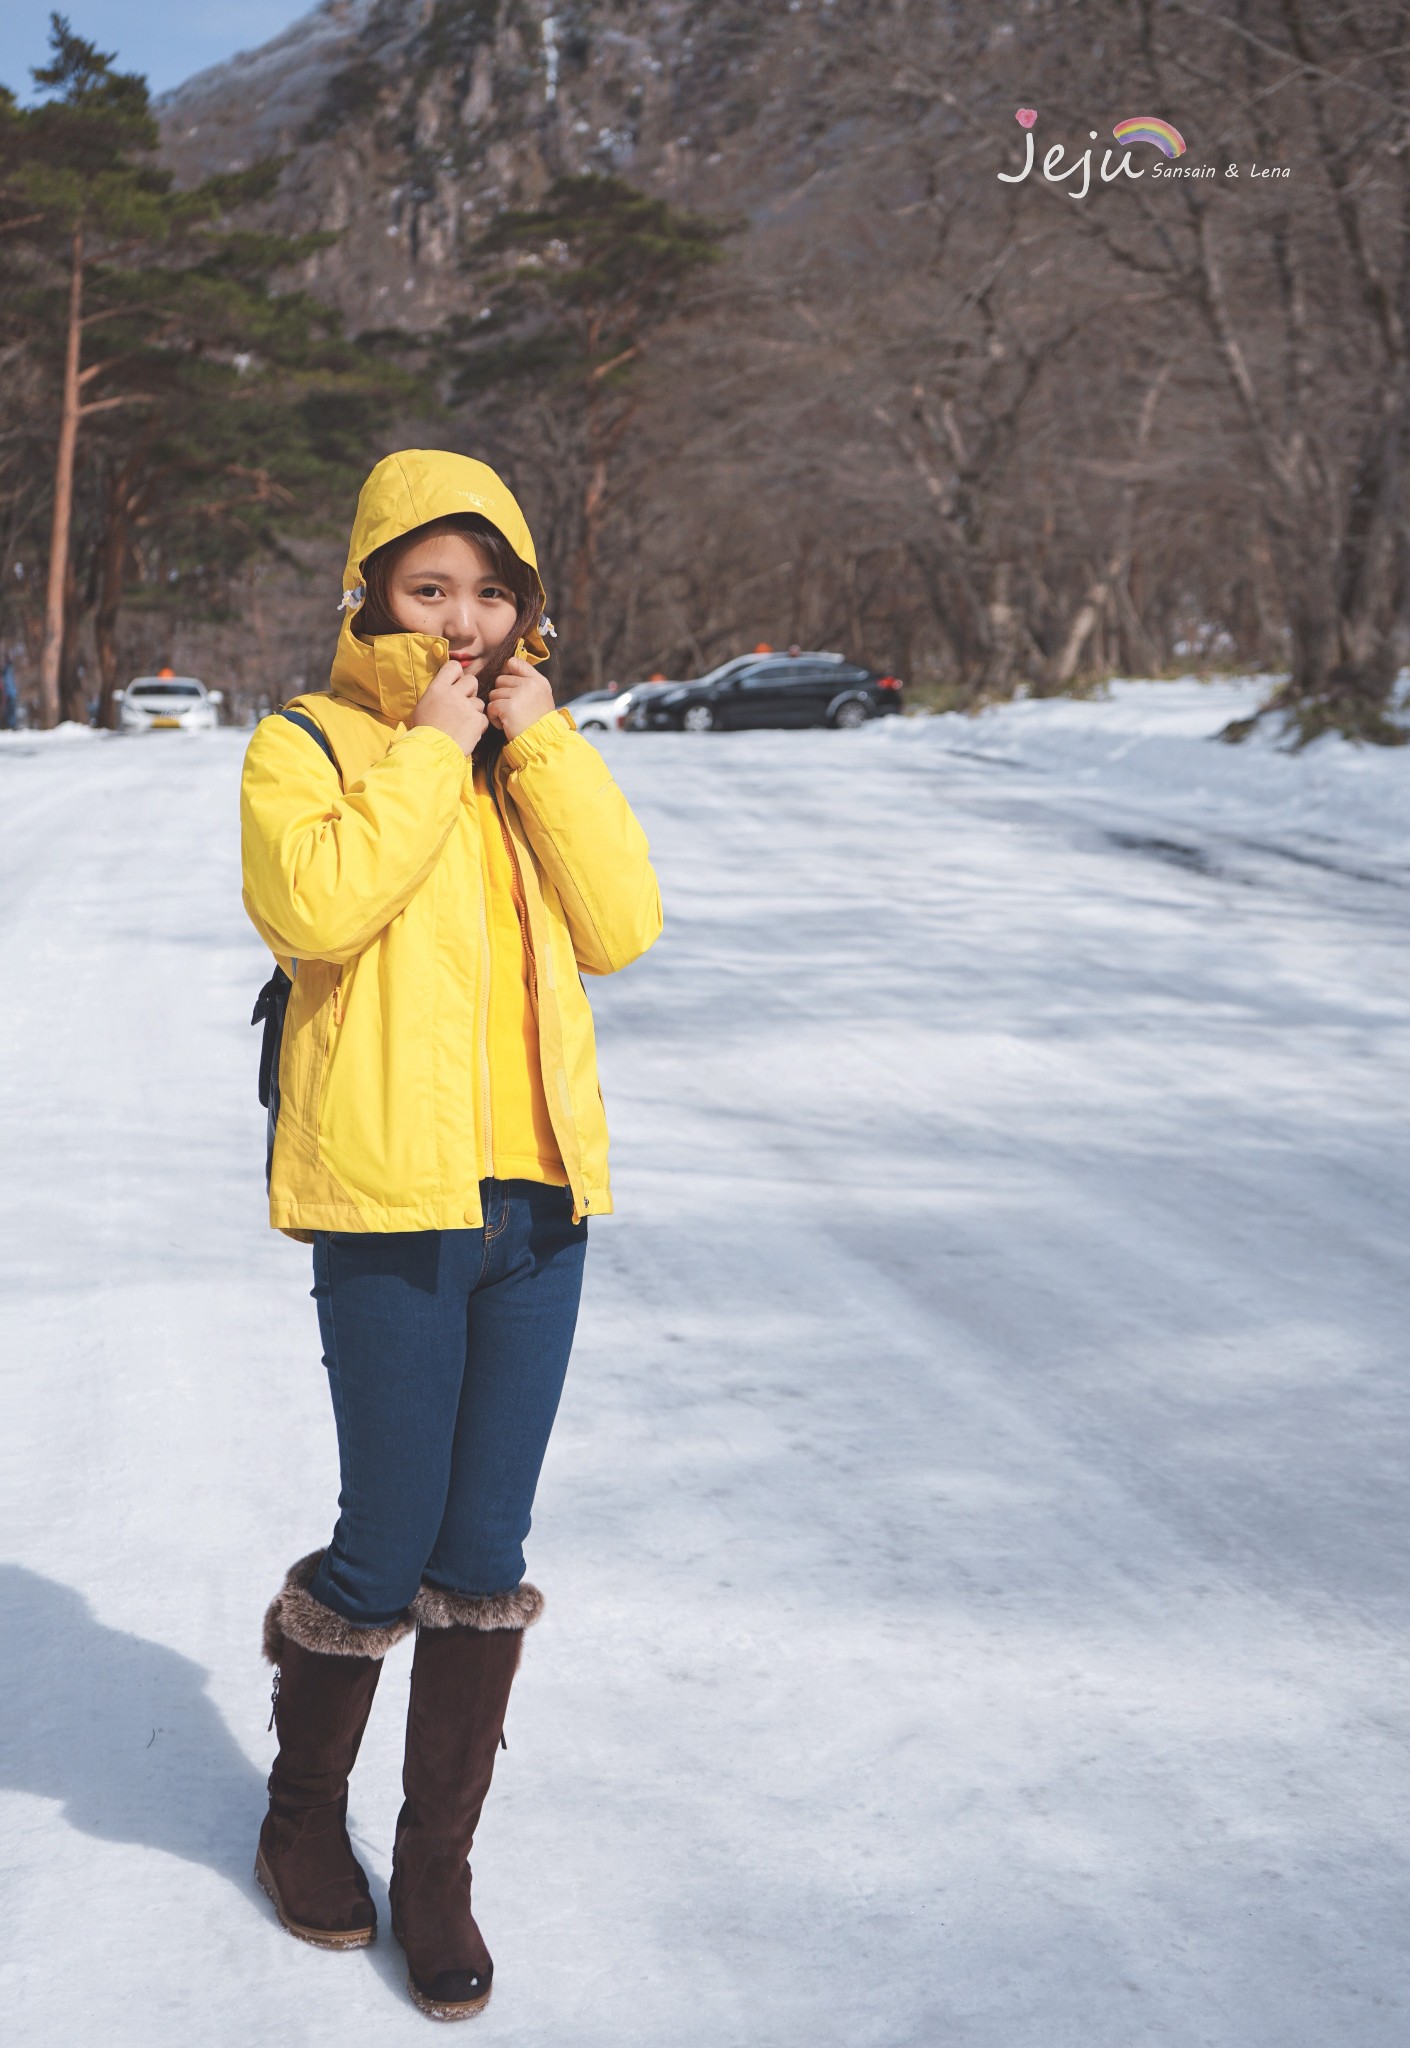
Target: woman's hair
{"points": [[374, 616]]}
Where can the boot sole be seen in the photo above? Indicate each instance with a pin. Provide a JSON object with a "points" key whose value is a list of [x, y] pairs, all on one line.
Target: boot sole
{"points": [[317, 1937], [437, 2009]]}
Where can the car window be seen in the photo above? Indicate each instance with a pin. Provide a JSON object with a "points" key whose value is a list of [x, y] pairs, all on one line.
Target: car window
{"points": [[167, 689], [727, 669], [768, 675]]}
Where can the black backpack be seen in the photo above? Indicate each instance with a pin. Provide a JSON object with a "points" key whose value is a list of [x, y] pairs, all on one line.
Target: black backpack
{"points": [[273, 999]]}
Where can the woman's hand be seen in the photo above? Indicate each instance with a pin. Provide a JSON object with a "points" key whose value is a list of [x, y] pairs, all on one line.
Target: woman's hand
{"points": [[452, 704], [520, 695]]}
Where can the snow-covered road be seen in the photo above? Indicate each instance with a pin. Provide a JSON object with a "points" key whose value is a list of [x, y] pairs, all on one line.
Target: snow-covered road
{"points": [[974, 1538]]}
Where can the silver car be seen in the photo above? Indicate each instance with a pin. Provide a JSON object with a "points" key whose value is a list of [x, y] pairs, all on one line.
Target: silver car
{"points": [[595, 710], [172, 703]]}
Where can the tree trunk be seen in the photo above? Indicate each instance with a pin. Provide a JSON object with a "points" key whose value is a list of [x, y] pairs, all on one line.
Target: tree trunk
{"points": [[105, 617], [585, 582], [1346, 614], [583, 662], [1136, 648], [1084, 623], [73, 695], [1343, 610], [121, 502], [1009, 644], [276, 690], [51, 658], [1100, 600], [1344, 617], [106, 643]]}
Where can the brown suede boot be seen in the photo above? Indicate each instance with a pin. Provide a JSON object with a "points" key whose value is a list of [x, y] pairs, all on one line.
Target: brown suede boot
{"points": [[327, 1673], [467, 1651]]}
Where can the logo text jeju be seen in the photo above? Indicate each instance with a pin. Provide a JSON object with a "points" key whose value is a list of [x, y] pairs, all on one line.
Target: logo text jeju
{"points": [[1138, 128]]}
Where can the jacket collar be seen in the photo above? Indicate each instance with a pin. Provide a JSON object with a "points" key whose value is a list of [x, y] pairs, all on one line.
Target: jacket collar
{"points": [[388, 675]]}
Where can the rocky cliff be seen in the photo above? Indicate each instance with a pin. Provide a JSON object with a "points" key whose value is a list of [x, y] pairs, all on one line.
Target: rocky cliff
{"points": [[405, 124]]}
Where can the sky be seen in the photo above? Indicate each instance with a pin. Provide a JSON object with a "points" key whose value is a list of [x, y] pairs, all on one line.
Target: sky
{"points": [[165, 43]]}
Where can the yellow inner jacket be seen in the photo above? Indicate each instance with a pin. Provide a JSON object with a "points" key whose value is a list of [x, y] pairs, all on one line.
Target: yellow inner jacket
{"points": [[516, 1140], [427, 1043]]}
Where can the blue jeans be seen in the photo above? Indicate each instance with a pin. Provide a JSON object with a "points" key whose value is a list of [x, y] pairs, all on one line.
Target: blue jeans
{"points": [[446, 1353]]}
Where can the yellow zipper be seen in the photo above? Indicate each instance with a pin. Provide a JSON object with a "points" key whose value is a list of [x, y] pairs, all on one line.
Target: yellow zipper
{"points": [[486, 961], [486, 1114], [521, 906]]}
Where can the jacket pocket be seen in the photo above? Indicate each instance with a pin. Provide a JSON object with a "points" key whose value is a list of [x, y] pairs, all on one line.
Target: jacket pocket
{"points": [[307, 1028], [376, 1108]]}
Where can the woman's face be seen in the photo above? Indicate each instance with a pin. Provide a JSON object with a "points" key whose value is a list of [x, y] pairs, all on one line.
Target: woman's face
{"points": [[445, 586]]}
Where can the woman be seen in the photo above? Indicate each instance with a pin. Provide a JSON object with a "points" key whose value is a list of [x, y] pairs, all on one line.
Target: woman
{"points": [[435, 855]]}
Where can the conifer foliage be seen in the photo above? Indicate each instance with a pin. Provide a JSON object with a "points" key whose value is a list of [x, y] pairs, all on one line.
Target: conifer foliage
{"points": [[576, 288], [198, 409]]}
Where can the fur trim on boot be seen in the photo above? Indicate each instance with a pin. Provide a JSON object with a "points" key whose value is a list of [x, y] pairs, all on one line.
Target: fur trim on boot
{"points": [[436, 1607], [293, 1612]]}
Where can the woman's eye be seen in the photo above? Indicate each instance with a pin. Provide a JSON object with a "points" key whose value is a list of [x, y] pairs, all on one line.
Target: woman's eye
{"points": [[492, 591], [427, 590]]}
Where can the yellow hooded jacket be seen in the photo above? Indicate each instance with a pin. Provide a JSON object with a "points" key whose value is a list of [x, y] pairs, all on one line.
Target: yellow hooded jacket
{"points": [[366, 882]]}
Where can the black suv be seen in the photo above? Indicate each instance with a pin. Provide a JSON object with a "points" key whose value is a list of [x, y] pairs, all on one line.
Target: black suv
{"points": [[771, 689]]}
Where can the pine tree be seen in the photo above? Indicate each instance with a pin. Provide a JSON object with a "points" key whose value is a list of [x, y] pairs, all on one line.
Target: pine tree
{"points": [[584, 280], [214, 407]]}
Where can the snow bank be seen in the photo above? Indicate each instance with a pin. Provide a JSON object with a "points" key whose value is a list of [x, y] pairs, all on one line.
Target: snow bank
{"points": [[33, 736], [1154, 745]]}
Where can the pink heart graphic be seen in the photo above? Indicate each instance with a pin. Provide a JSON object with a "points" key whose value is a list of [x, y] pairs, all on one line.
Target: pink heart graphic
{"points": [[1026, 116]]}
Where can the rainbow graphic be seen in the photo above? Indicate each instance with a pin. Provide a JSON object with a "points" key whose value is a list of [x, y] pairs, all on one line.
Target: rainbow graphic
{"points": [[1146, 128]]}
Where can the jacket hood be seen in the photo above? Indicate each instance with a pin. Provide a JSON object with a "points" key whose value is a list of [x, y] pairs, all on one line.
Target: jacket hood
{"points": [[390, 673]]}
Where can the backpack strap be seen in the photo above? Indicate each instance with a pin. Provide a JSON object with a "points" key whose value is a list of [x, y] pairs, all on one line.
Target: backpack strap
{"points": [[315, 732]]}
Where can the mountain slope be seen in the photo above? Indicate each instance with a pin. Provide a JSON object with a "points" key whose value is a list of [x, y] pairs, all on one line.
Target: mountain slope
{"points": [[406, 126]]}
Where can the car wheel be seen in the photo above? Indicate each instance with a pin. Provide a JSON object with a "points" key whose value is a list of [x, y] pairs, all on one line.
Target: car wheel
{"points": [[592, 725], [850, 714], [699, 718]]}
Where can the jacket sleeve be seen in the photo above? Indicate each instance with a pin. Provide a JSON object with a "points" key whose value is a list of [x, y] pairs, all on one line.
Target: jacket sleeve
{"points": [[587, 842], [326, 870]]}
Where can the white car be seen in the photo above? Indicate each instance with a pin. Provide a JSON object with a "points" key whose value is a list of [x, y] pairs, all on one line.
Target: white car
{"points": [[174, 703], [633, 699], [609, 710], [596, 710]]}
